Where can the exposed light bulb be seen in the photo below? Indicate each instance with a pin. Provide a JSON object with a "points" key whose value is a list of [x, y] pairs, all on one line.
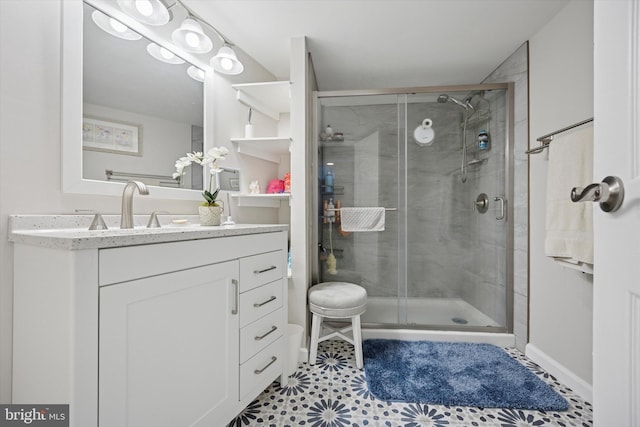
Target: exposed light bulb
{"points": [[226, 63], [144, 7], [117, 25], [166, 53], [192, 39]]}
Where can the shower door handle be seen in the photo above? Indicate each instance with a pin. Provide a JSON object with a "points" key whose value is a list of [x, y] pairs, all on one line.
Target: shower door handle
{"points": [[502, 202]]}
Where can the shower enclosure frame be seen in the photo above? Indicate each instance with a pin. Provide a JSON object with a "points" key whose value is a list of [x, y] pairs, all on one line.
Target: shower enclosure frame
{"points": [[509, 193]]}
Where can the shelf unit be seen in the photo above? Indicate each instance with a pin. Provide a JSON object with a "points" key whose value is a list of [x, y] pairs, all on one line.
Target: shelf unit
{"points": [[267, 148], [261, 200], [270, 98]]}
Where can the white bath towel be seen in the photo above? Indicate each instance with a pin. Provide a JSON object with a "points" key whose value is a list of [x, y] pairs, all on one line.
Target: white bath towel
{"points": [[569, 230], [362, 219]]}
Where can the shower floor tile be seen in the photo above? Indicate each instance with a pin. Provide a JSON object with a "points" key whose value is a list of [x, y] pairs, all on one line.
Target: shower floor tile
{"points": [[333, 393]]}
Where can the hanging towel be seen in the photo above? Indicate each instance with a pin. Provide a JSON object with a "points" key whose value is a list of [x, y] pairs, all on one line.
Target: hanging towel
{"points": [[569, 230], [362, 219]]}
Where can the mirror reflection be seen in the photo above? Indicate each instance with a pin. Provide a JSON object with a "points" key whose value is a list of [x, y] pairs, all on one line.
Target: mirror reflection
{"points": [[140, 114]]}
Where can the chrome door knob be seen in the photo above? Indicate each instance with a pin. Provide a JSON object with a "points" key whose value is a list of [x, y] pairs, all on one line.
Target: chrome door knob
{"points": [[609, 193]]}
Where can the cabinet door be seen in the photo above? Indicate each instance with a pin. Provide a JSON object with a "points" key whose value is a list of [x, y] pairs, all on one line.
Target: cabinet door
{"points": [[169, 349]]}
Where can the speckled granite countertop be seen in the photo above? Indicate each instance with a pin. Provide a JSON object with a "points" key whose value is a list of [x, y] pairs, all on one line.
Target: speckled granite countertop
{"points": [[71, 232]]}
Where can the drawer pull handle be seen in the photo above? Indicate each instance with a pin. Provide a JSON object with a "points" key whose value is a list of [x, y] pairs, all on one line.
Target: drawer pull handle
{"points": [[234, 310], [259, 371], [260, 304], [273, 267], [273, 329]]}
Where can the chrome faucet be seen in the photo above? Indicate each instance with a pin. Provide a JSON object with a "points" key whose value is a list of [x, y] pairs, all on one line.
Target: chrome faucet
{"points": [[126, 219]]}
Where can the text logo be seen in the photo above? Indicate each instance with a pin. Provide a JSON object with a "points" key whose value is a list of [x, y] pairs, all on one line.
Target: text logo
{"points": [[34, 415]]}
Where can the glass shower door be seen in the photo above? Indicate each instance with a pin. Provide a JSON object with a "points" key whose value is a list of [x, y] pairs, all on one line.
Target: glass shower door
{"points": [[445, 258], [457, 223], [359, 150]]}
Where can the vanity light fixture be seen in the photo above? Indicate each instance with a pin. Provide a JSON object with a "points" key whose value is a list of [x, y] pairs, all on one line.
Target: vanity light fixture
{"points": [[113, 26], [191, 37], [226, 61], [195, 73], [152, 12], [162, 54]]}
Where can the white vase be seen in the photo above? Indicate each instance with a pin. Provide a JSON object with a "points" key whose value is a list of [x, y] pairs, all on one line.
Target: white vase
{"points": [[210, 215]]}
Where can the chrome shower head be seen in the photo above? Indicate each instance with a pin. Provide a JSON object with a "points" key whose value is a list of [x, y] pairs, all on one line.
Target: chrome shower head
{"points": [[446, 98]]}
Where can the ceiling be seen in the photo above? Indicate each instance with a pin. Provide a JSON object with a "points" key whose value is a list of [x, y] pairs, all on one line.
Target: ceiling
{"points": [[368, 44]]}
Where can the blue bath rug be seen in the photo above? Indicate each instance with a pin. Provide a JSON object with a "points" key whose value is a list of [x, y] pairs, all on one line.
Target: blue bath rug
{"points": [[455, 374]]}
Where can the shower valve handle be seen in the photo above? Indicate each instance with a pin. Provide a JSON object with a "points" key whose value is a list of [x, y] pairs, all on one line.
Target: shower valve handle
{"points": [[481, 204]]}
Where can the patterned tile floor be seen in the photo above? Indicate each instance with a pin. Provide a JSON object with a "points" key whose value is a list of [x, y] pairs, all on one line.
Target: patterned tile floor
{"points": [[333, 393]]}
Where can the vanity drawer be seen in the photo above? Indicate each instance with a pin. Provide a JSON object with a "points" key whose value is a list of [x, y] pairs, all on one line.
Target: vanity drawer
{"points": [[259, 302], [259, 334], [260, 371], [260, 269]]}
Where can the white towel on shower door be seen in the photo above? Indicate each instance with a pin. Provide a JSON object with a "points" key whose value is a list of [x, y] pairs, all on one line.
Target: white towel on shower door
{"points": [[569, 237], [362, 219]]}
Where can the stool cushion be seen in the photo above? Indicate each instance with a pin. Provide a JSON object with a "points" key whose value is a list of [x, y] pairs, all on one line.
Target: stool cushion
{"points": [[337, 299]]}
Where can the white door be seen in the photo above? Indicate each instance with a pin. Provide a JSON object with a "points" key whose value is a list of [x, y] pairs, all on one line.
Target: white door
{"points": [[169, 349], [616, 300]]}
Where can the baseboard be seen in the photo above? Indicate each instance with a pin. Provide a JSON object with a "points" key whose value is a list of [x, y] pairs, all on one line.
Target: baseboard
{"points": [[303, 355], [303, 352], [564, 375]]}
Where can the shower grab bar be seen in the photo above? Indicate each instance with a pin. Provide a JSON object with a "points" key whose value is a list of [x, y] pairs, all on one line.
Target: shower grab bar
{"points": [[337, 209], [545, 140]]}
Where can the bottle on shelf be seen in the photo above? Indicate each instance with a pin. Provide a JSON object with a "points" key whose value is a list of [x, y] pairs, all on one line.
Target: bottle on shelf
{"points": [[329, 131], [483, 140], [328, 181], [331, 211]]}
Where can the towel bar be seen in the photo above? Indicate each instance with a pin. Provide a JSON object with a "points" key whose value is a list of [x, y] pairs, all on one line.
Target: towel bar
{"points": [[545, 140], [386, 209]]}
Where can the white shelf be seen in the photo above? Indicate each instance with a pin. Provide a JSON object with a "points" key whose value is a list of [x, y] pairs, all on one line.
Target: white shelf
{"points": [[269, 148], [270, 98], [261, 200]]}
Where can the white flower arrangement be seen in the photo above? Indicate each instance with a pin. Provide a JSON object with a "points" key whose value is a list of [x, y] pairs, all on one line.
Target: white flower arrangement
{"points": [[210, 159]]}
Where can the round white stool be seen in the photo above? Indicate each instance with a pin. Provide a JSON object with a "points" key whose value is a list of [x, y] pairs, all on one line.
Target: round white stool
{"points": [[337, 300]]}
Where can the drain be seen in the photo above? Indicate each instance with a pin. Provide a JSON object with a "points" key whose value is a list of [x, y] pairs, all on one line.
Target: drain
{"points": [[459, 320]]}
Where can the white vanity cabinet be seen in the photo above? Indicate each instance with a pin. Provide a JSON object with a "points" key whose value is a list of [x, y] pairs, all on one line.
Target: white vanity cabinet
{"points": [[182, 333], [169, 341]]}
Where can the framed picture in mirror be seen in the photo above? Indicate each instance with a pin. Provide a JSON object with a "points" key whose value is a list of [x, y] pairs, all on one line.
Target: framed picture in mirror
{"points": [[111, 136]]}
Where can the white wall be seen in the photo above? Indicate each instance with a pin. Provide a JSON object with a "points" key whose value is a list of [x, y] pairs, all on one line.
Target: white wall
{"points": [[163, 141], [561, 94], [30, 141]]}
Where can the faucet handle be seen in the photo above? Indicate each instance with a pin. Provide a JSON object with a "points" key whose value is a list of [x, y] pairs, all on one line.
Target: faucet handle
{"points": [[154, 222], [98, 222]]}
